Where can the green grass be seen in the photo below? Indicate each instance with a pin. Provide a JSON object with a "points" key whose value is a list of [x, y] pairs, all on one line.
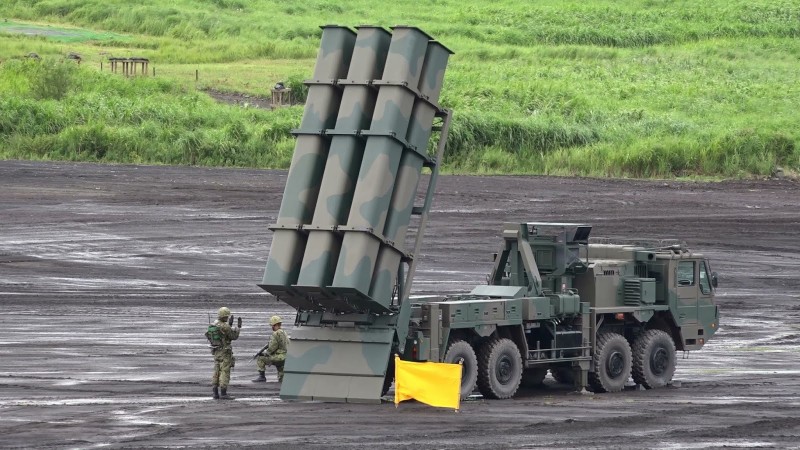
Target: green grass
{"points": [[642, 89], [62, 111]]}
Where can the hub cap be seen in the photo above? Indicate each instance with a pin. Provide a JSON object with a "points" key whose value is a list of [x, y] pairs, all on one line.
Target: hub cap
{"points": [[659, 360], [615, 365], [503, 369]]}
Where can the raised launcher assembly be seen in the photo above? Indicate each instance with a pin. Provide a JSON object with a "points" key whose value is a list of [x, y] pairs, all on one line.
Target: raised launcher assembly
{"points": [[338, 252]]}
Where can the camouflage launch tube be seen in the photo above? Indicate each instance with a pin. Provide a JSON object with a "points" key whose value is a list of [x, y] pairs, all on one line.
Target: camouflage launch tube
{"points": [[308, 161], [405, 188], [344, 157], [376, 177]]}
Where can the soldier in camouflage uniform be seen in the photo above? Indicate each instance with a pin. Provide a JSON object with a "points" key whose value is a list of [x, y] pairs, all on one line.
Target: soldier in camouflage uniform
{"points": [[220, 336], [274, 353]]}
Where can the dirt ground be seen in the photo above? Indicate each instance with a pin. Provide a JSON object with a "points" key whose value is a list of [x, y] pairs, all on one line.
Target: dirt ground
{"points": [[243, 100], [108, 275]]}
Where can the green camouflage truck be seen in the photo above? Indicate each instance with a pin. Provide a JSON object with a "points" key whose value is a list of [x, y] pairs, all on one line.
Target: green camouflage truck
{"points": [[593, 314], [351, 221]]}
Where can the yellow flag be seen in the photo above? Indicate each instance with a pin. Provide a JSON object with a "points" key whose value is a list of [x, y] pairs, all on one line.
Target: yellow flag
{"points": [[436, 384]]}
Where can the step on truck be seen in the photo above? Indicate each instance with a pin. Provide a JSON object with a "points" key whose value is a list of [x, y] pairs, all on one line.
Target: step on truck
{"points": [[353, 213]]}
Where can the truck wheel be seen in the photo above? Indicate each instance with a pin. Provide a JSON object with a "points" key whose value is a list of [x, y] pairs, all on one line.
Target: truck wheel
{"points": [[499, 368], [533, 378], [563, 375], [654, 359], [612, 363], [461, 351]]}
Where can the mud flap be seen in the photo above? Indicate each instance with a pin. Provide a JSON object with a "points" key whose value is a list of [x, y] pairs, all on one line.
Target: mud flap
{"points": [[336, 364]]}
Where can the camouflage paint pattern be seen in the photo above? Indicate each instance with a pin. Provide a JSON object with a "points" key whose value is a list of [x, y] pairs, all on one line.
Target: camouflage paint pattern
{"points": [[337, 364], [481, 313], [263, 361], [344, 157], [620, 288], [223, 356], [275, 354], [308, 161], [692, 311], [379, 167], [339, 197], [410, 171]]}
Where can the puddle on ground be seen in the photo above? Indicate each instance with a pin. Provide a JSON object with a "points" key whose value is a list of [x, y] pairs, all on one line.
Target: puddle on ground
{"points": [[130, 401], [719, 443]]}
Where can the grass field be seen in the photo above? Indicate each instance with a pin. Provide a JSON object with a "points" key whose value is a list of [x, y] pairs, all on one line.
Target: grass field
{"points": [[645, 89]]}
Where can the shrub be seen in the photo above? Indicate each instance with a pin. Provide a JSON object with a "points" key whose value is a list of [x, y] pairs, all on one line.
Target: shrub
{"points": [[90, 142], [52, 80]]}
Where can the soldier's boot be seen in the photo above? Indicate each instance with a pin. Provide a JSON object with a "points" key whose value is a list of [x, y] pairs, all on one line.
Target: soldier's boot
{"points": [[261, 377], [216, 393], [223, 394]]}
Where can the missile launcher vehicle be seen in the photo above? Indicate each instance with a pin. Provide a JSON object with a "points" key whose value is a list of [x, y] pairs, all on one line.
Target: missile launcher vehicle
{"points": [[593, 314], [352, 217]]}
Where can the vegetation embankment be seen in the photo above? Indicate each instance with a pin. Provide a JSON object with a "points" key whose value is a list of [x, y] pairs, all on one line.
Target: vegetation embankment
{"points": [[67, 112], [607, 88]]}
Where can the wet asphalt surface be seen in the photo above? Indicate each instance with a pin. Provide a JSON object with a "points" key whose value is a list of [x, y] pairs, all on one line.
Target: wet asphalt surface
{"points": [[108, 275]]}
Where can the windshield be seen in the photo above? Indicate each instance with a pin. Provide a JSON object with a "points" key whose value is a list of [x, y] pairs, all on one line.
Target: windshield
{"points": [[705, 279]]}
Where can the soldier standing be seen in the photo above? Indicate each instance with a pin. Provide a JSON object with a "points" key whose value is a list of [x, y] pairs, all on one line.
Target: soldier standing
{"points": [[220, 335], [274, 353]]}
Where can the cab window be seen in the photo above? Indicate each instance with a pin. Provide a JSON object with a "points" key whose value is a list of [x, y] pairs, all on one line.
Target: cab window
{"points": [[686, 273], [705, 279]]}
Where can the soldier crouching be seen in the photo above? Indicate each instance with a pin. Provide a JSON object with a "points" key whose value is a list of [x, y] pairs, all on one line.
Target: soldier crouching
{"points": [[220, 335], [274, 353]]}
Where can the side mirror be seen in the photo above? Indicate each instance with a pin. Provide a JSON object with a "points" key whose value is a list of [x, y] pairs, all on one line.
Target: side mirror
{"points": [[714, 280]]}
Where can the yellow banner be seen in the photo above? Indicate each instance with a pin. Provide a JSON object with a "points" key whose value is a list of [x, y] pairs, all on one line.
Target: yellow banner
{"points": [[435, 384]]}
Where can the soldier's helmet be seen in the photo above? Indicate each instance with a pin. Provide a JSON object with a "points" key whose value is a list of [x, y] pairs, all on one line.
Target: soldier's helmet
{"points": [[224, 312], [275, 320]]}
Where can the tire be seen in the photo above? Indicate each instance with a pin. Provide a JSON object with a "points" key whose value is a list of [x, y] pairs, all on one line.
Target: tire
{"points": [[563, 375], [533, 378], [461, 351], [388, 379], [654, 359], [612, 363], [499, 368]]}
